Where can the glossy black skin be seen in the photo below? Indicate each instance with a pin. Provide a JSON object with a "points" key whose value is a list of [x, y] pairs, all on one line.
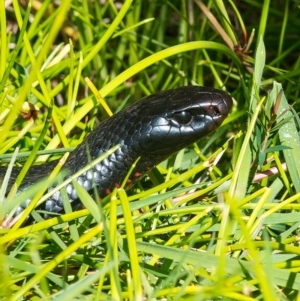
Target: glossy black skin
{"points": [[153, 128]]}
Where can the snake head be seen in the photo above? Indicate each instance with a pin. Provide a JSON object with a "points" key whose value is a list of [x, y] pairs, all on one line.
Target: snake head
{"points": [[151, 129], [171, 120]]}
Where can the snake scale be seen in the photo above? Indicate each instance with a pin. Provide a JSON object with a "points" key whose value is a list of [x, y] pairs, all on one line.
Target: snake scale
{"points": [[153, 128]]}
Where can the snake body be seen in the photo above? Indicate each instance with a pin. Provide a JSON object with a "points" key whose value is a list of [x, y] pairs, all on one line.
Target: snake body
{"points": [[153, 128]]}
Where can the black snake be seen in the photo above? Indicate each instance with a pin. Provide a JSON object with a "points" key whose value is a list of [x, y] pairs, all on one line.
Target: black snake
{"points": [[153, 128]]}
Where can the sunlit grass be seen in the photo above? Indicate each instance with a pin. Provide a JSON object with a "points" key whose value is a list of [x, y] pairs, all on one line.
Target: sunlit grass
{"points": [[218, 221]]}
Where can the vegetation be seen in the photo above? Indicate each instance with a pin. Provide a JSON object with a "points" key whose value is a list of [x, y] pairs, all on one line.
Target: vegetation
{"points": [[217, 221]]}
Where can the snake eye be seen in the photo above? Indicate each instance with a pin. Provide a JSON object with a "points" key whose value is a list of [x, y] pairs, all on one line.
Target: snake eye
{"points": [[183, 117]]}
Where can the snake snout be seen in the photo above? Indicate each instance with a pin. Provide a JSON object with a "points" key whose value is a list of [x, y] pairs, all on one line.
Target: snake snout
{"points": [[226, 104], [221, 108]]}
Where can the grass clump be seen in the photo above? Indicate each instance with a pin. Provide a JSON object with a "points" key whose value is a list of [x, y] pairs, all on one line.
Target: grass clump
{"points": [[217, 221]]}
